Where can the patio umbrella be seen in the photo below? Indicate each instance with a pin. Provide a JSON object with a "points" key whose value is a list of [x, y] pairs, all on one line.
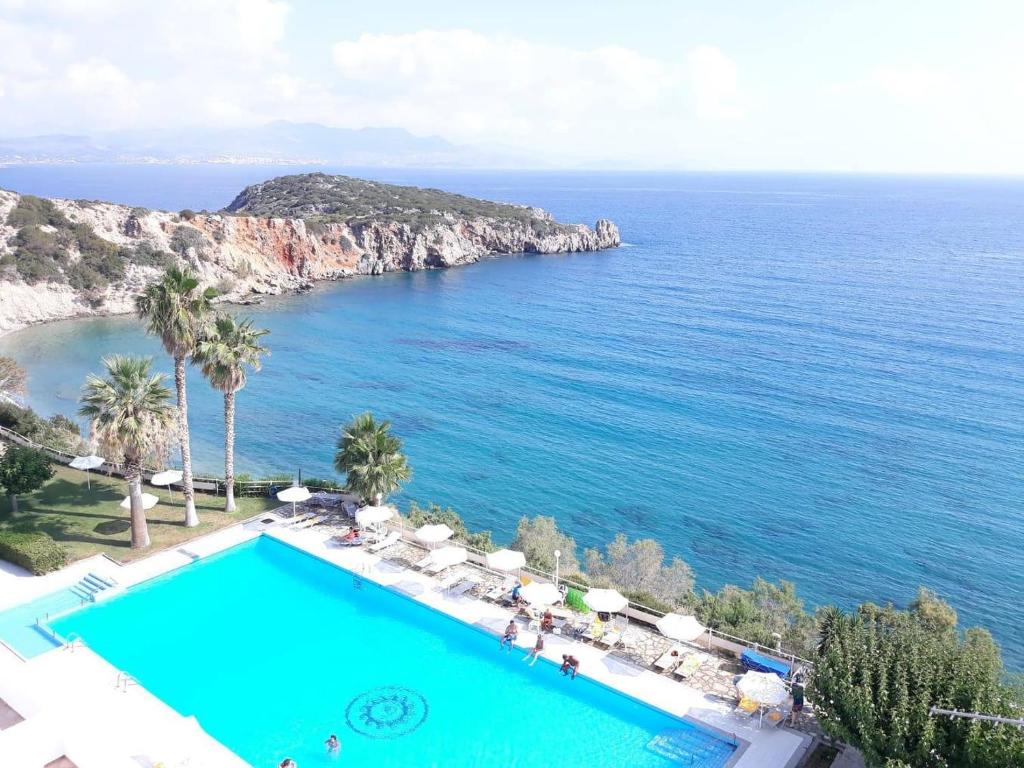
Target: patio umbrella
{"points": [[87, 462], [506, 560], [448, 556], [677, 627], [434, 534], [148, 501], [166, 477], [763, 687], [540, 593], [374, 515], [605, 600], [294, 494]]}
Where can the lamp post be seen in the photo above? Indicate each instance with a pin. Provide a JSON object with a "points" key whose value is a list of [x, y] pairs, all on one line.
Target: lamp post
{"points": [[558, 554]]}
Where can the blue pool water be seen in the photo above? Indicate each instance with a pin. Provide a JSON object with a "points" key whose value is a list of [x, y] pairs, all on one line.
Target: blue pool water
{"points": [[818, 378], [273, 650], [25, 628]]}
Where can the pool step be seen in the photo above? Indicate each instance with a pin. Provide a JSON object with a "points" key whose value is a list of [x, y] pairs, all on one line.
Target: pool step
{"points": [[688, 747], [92, 585]]}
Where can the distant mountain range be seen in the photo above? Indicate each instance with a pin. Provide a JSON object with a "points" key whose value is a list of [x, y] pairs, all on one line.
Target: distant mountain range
{"points": [[279, 142]]}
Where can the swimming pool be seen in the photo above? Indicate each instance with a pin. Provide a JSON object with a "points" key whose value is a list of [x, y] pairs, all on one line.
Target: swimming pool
{"points": [[273, 650]]}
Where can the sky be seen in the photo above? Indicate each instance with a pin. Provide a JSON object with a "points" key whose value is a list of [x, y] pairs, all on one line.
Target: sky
{"points": [[902, 86]]}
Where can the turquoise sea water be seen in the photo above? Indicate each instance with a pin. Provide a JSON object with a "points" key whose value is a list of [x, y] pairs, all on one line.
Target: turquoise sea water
{"points": [[809, 377], [290, 650]]}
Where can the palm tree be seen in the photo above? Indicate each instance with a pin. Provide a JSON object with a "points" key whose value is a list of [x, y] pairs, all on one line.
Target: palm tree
{"points": [[130, 410], [223, 354], [177, 310], [371, 457]]}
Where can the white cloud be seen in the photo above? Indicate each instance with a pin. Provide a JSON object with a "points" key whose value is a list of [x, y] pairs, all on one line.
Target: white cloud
{"points": [[715, 80]]}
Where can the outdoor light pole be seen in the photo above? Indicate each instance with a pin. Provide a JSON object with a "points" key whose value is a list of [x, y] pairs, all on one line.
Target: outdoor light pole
{"points": [[558, 554]]}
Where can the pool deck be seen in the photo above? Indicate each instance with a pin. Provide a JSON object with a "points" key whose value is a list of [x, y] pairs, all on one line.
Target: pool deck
{"points": [[72, 705]]}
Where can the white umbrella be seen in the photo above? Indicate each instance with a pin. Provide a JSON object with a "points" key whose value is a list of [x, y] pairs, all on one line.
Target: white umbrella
{"points": [[677, 627], [148, 501], [434, 534], [506, 560], [448, 556], [605, 600], [293, 494], [540, 593], [167, 477], [766, 688], [87, 462], [374, 515]]}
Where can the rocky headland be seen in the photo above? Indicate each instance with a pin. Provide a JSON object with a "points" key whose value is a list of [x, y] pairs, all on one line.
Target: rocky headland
{"points": [[71, 258]]}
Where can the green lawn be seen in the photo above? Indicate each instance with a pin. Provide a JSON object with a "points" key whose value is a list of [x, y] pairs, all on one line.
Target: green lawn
{"points": [[88, 522]]}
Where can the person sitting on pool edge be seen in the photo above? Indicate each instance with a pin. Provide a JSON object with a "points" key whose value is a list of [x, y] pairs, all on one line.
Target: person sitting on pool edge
{"points": [[511, 633], [570, 663], [537, 648]]}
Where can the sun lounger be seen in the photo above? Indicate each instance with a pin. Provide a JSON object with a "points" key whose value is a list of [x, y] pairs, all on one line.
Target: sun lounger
{"points": [[670, 659], [301, 518], [759, 662], [463, 586], [688, 667], [595, 630], [746, 708], [435, 569], [423, 563], [309, 522], [390, 540]]}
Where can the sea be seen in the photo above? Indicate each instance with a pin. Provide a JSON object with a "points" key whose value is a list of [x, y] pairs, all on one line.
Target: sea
{"points": [[817, 378]]}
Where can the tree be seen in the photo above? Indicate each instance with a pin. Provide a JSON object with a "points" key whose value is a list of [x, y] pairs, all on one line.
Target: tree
{"points": [[12, 381], [177, 310], [23, 470], [224, 353], [538, 538], [760, 613], [879, 672], [639, 569], [130, 411], [371, 458]]}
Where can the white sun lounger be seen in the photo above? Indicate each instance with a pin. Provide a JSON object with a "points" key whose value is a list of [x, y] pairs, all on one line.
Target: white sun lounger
{"points": [[667, 661], [434, 569], [423, 563], [392, 538], [463, 586], [309, 522], [301, 518]]}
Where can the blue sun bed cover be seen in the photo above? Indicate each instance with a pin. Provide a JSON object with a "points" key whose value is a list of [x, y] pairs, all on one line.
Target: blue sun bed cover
{"points": [[760, 663]]}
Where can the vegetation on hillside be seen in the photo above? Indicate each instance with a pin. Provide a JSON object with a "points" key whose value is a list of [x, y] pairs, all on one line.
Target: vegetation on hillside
{"points": [[48, 247], [371, 458], [322, 198]]}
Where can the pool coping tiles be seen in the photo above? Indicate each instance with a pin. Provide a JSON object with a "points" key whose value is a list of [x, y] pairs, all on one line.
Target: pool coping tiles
{"points": [[92, 677]]}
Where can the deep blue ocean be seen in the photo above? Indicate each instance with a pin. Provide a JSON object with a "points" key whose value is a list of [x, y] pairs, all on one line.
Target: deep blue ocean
{"points": [[818, 378]]}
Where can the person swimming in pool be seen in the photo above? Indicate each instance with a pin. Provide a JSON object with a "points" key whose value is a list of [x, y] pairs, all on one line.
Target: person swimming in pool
{"points": [[511, 633], [288, 763], [333, 745]]}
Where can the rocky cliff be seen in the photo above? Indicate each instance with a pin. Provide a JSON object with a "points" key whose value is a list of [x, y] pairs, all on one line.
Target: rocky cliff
{"points": [[64, 258]]}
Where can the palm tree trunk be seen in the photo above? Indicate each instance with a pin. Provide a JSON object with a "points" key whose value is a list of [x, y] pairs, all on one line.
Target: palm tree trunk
{"points": [[14, 504], [140, 529], [229, 451], [191, 518]]}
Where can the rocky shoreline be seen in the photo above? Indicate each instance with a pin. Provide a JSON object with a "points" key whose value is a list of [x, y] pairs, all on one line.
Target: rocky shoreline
{"points": [[245, 256]]}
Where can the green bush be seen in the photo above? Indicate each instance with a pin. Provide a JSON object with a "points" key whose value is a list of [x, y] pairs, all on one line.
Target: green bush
{"points": [[187, 214], [186, 237], [35, 211], [24, 421], [145, 255], [35, 552]]}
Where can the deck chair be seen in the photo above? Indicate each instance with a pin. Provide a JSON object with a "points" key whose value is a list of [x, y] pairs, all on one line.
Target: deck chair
{"points": [[688, 667], [298, 519], [434, 569], [595, 631], [421, 564], [612, 635], [746, 708], [463, 586], [390, 540], [309, 522], [670, 659]]}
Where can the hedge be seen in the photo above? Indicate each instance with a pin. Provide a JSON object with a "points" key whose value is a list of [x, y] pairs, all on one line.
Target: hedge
{"points": [[35, 552]]}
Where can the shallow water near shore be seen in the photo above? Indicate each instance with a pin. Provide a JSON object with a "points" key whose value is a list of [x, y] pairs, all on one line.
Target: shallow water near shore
{"points": [[808, 377]]}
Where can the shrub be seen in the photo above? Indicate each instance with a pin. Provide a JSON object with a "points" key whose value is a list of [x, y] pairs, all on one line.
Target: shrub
{"points": [[640, 568], [538, 538], [145, 255], [187, 214], [35, 211], [186, 237], [24, 421], [434, 514], [35, 552]]}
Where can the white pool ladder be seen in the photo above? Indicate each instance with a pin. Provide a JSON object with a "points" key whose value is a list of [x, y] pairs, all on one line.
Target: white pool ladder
{"points": [[124, 680]]}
